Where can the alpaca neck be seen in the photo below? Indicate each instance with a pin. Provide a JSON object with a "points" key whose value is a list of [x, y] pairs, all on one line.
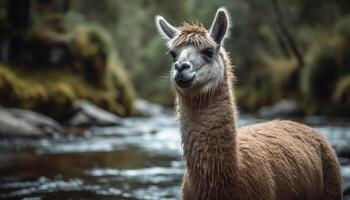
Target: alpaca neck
{"points": [[208, 131]]}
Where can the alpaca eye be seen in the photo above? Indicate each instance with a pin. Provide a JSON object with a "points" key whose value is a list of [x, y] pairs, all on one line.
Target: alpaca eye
{"points": [[173, 55], [208, 52]]}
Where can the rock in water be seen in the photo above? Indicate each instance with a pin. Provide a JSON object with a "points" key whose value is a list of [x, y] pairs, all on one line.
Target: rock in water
{"points": [[87, 114], [283, 108], [18, 122], [145, 108]]}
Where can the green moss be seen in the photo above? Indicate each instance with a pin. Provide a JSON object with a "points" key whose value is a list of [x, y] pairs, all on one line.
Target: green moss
{"points": [[53, 92], [118, 81], [71, 61]]}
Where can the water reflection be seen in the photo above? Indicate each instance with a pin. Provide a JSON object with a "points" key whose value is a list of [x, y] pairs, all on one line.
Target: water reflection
{"points": [[141, 160]]}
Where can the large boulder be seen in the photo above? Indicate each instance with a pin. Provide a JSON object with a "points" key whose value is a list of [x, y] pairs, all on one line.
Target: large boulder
{"points": [[87, 114], [75, 63], [147, 109], [283, 108], [24, 123]]}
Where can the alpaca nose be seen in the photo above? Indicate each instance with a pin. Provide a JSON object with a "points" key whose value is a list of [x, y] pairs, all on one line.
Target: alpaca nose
{"points": [[184, 75], [182, 67]]}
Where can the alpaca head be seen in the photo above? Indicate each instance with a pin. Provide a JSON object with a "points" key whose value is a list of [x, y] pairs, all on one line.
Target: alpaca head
{"points": [[198, 64]]}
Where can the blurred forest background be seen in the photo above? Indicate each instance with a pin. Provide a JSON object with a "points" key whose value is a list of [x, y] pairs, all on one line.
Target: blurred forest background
{"points": [[282, 50], [56, 51]]}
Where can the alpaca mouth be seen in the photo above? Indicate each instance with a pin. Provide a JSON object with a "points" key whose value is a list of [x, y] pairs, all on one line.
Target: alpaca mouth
{"points": [[185, 83]]}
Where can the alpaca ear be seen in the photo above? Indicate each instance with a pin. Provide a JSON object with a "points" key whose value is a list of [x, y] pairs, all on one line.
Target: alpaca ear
{"points": [[220, 26], [165, 29]]}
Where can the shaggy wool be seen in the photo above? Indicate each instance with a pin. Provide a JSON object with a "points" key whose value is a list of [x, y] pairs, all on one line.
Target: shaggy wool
{"points": [[277, 160]]}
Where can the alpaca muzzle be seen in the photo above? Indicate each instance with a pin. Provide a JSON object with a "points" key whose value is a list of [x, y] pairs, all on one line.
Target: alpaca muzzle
{"points": [[184, 78]]}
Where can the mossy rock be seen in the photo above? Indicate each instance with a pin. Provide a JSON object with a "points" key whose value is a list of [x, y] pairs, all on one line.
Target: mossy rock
{"points": [[53, 91], [70, 62], [82, 48]]}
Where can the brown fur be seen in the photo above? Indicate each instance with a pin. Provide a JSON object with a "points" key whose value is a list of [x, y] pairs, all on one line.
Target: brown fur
{"points": [[191, 34], [280, 160]]}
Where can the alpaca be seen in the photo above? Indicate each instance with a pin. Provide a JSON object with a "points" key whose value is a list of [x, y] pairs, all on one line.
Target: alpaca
{"points": [[281, 160]]}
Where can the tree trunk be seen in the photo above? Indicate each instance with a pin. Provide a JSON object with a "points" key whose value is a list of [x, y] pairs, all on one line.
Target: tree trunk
{"points": [[287, 35]]}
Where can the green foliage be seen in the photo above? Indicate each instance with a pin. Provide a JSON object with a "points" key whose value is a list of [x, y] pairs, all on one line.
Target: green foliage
{"points": [[266, 64], [323, 80], [267, 84], [342, 92], [343, 26], [322, 71]]}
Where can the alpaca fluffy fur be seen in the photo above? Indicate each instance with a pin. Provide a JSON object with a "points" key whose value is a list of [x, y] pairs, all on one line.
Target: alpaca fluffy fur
{"points": [[276, 160], [191, 34], [280, 160]]}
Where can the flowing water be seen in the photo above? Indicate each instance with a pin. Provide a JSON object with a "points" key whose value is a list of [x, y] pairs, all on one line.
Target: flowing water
{"points": [[141, 160]]}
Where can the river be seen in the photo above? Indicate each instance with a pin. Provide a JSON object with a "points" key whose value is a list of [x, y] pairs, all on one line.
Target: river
{"points": [[141, 160]]}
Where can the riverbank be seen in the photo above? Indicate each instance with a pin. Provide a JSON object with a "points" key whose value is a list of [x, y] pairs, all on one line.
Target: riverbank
{"points": [[140, 159]]}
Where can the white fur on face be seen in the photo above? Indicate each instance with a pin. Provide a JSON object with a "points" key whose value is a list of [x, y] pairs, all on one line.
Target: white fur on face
{"points": [[209, 73]]}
